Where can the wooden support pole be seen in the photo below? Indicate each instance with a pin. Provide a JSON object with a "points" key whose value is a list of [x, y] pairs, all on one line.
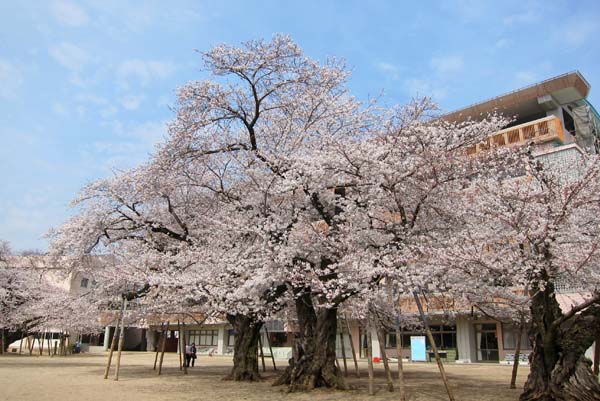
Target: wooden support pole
{"points": [[2, 343], [400, 367], [434, 347], [262, 355], [162, 351], [55, 345], [370, 360], [49, 346], [121, 339], [185, 368], [386, 366], [29, 345], [179, 343], [343, 351], [160, 338], [112, 345], [513, 379], [270, 348], [597, 355], [21, 343], [352, 347], [42, 342], [61, 340]]}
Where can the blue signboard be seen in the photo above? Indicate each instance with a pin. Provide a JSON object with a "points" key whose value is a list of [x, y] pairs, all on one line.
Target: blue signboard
{"points": [[417, 349]]}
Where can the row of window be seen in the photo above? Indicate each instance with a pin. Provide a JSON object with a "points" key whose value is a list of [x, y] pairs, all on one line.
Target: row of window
{"points": [[203, 338], [445, 337], [85, 282]]}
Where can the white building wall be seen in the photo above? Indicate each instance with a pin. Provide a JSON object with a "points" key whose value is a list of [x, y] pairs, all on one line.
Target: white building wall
{"points": [[151, 339], [590, 352], [465, 340], [375, 342], [106, 338], [221, 341]]}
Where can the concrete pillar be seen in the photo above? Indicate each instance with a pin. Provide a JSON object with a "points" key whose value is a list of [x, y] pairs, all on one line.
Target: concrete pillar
{"points": [[106, 338], [465, 340], [222, 341], [558, 112], [375, 342], [150, 339], [355, 329], [590, 352]]}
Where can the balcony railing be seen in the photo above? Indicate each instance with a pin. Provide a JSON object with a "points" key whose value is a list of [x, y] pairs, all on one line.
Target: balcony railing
{"points": [[543, 130]]}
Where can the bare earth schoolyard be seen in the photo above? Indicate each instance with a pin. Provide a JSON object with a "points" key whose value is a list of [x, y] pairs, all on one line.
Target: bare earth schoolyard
{"points": [[80, 377]]}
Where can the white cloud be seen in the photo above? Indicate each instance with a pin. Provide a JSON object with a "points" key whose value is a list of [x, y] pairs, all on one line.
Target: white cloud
{"points": [[164, 101], [525, 77], [144, 71], [68, 13], [132, 144], [69, 56], [11, 80], [527, 17], [578, 31], [60, 109], [90, 98], [389, 69], [150, 131], [420, 87], [447, 65], [502, 43], [108, 111], [132, 102]]}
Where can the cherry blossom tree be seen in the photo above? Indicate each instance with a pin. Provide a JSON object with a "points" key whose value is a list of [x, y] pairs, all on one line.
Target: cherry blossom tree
{"points": [[174, 247], [267, 111], [376, 200], [275, 187], [34, 298], [530, 234]]}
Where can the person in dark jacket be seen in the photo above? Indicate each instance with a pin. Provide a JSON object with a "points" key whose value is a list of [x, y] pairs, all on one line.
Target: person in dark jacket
{"points": [[193, 354]]}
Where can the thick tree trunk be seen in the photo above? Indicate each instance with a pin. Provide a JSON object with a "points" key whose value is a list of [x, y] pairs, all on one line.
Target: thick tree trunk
{"points": [[517, 358], [313, 362], [10, 337], [559, 369], [245, 358]]}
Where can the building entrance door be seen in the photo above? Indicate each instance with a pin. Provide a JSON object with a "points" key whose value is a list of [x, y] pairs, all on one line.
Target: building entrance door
{"points": [[487, 342]]}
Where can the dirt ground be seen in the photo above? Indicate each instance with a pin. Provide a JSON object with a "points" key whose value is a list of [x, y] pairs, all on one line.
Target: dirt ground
{"points": [[80, 377]]}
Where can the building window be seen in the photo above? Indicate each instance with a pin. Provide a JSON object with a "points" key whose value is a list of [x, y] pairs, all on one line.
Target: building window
{"points": [[84, 282], [231, 338], [569, 122], [509, 337], [278, 339], [204, 337], [444, 337], [487, 342], [275, 326]]}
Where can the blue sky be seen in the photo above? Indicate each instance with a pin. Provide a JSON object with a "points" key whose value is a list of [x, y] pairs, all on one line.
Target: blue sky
{"points": [[85, 86]]}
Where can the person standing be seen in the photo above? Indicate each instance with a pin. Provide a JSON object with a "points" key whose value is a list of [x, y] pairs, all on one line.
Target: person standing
{"points": [[193, 354], [188, 355]]}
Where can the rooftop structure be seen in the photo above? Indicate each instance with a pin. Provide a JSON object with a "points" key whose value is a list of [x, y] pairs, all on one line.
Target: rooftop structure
{"points": [[551, 113]]}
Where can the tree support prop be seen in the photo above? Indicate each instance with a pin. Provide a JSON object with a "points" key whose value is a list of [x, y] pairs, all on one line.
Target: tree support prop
{"points": [[112, 343], [434, 347], [121, 339]]}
